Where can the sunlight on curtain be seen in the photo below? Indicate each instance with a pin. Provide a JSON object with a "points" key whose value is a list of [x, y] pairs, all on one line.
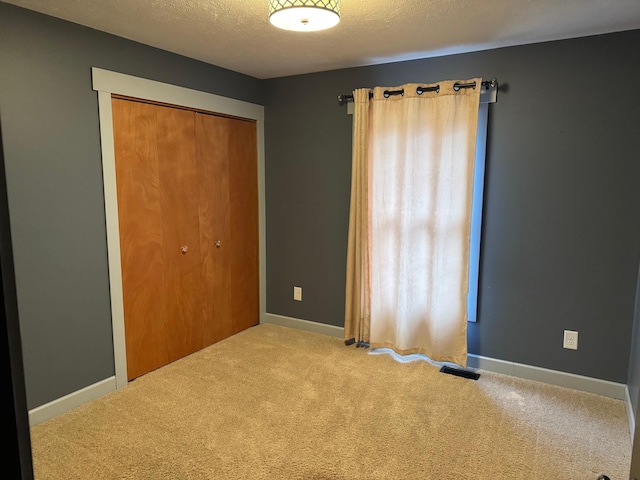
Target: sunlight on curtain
{"points": [[420, 151]]}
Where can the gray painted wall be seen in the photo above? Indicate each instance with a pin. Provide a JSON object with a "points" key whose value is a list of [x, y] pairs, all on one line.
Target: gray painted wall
{"points": [[54, 181], [561, 236]]}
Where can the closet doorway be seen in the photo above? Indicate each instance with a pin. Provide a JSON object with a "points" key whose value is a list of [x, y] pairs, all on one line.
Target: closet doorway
{"points": [[187, 193]]}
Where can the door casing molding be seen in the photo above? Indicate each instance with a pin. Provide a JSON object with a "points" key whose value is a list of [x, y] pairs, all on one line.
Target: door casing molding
{"points": [[106, 83]]}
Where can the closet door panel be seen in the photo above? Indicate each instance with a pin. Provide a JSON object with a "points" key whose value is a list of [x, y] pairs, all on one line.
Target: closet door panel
{"points": [[243, 195], [180, 229], [137, 180], [213, 188]]}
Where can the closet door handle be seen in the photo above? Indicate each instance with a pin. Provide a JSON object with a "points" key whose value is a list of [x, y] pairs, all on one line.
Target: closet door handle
{"points": [[218, 243], [184, 249]]}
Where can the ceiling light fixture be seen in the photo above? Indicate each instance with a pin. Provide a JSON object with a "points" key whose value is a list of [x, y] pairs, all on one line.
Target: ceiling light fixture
{"points": [[304, 15]]}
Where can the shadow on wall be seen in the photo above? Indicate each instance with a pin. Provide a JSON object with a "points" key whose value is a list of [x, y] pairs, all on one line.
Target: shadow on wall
{"points": [[18, 454]]}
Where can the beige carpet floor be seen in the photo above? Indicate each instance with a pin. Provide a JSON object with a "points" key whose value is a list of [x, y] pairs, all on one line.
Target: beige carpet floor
{"points": [[277, 403]]}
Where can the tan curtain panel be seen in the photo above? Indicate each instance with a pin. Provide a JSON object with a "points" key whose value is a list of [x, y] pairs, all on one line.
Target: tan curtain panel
{"points": [[358, 291], [420, 158]]}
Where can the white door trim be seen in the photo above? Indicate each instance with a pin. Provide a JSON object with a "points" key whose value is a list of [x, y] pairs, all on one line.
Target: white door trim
{"points": [[106, 83]]}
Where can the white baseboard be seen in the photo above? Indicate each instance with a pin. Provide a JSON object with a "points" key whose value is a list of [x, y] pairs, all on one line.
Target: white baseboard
{"points": [[478, 362], [71, 401], [315, 327], [552, 377]]}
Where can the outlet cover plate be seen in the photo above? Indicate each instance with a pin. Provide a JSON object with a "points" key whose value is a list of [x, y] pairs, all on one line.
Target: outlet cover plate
{"points": [[570, 340], [297, 293]]}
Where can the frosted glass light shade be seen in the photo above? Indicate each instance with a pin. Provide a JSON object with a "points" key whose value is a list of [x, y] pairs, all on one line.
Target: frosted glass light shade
{"points": [[304, 15]]}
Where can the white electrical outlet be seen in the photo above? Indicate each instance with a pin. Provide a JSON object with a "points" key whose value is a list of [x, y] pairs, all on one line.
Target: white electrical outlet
{"points": [[570, 340], [297, 293]]}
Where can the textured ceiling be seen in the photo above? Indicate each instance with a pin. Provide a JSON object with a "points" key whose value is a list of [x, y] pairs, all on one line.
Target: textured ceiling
{"points": [[237, 35]]}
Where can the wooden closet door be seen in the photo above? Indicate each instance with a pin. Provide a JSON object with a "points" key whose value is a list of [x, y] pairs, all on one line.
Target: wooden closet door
{"points": [[244, 251], [213, 187], [141, 237], [156, 175], [188, 216], [179, 201]]}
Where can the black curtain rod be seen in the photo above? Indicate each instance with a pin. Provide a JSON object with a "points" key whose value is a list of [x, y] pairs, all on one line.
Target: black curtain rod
{"points": [[493, 83]]}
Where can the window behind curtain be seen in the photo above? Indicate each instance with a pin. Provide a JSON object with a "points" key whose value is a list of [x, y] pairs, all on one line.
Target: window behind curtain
{"points": [[476, 213], [487, 97]]}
